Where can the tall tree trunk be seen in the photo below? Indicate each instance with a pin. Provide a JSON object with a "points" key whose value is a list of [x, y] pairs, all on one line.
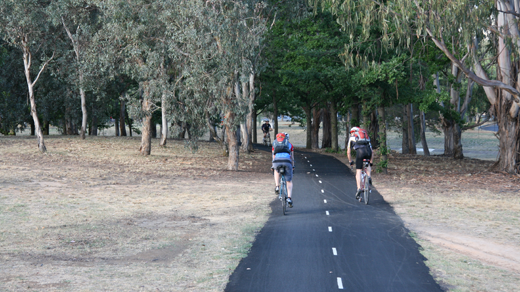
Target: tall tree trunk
{"points": [[84, 112], [164, 121], [406, 119], [27, 61], [130, 123], [233, 148], [243, 129], [334, 126], [46, 127], [76, 46], [316, 113], [153, 130], [383, 148], [326, 142], [251, 116], [212, 129], [254, 134], [457, 142], [411, 131], [424, 144], [146, 136], [308, 129], [116, 119], [449, 145], [374, 129], [244, 137], [122, 114]]}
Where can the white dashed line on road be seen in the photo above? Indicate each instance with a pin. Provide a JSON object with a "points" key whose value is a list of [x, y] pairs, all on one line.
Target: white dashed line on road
{"points": [[325, 201], [322, 191], [340, 284], [334, 251], [320, 181], [330, 228], [327, 213]]}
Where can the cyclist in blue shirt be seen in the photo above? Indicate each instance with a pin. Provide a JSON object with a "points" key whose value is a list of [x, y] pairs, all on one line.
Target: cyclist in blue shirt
{"points": [[283, 155]]}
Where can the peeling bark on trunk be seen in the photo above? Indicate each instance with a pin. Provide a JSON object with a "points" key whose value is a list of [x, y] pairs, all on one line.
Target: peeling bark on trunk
{"points": [[509, 137], [146, 137], [233, 148], [448, 138], [244, 137]]}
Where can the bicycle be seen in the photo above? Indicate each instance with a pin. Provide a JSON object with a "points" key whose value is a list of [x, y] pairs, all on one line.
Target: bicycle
{"points": [[282, 192], [365, 185], [267, 139]]}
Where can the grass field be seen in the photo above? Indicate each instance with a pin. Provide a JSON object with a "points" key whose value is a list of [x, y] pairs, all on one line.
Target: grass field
{"points": [[94, 215]]}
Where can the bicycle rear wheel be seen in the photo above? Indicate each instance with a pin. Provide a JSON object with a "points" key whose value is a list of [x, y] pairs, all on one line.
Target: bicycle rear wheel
{"points": [[366, 192], [283, 194]]}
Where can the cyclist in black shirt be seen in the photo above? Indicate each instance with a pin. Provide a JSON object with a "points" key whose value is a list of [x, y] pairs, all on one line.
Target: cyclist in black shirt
{"points": [[266, 128]]}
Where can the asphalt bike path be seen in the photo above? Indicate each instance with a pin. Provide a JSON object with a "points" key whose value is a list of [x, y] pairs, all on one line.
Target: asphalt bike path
{"points": [[329, 241]]}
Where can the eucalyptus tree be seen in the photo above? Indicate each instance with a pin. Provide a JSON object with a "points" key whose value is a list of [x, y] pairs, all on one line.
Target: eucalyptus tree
{"points": [[25, 25], [78, 19], [134, 36], [470, 24], [232, 25], [309, 52]]}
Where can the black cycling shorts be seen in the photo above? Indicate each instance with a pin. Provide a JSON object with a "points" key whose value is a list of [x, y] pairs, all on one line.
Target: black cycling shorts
{"points": [[364, 152]]}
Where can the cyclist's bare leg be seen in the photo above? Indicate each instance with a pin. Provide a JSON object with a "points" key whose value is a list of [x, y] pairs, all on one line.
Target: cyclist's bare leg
{"points": [[358, 178], [276, 178], [289, 188]]}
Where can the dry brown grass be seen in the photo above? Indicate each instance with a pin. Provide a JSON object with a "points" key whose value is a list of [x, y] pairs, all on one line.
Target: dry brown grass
{"points": [[94, 215]]}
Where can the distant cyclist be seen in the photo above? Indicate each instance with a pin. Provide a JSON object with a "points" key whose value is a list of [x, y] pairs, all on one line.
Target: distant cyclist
{"points": [[266, 128], [360, 141], [283, 155]]}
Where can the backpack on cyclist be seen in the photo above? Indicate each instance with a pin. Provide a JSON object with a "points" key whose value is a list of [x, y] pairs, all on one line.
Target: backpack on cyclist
{"points": [[361, 135], [281, 144]]}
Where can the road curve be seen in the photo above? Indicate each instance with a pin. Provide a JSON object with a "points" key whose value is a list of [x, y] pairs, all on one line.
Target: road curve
{"points": [[329, 241]]}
